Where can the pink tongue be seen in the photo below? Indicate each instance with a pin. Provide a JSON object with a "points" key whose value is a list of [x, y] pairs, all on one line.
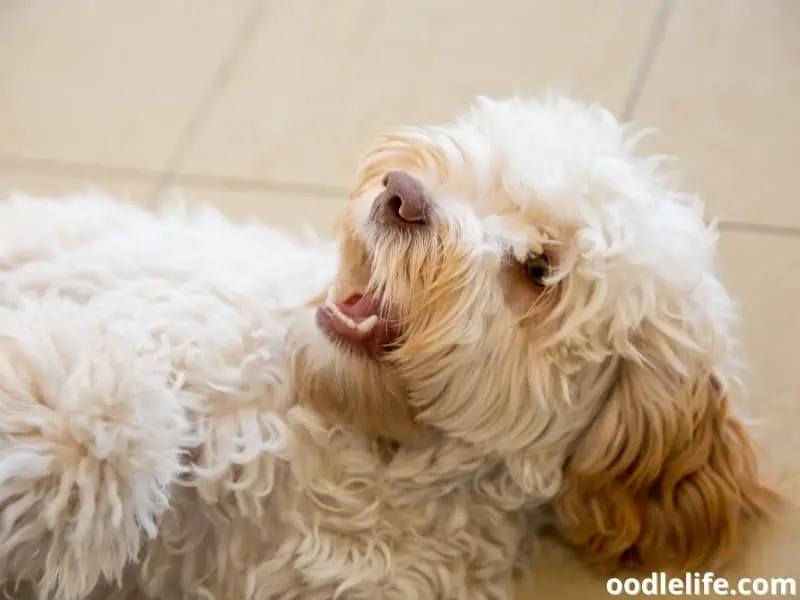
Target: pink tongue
{"points": [[359, 307]]}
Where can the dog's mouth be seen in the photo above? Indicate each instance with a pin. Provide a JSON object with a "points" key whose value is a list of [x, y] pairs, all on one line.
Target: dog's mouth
{"points": [[359, 322]]}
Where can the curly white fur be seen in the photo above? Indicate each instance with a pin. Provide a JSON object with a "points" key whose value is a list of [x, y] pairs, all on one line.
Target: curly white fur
{"points": [[173, 424]]}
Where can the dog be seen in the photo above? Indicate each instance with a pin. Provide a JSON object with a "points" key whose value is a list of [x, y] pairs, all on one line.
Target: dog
{"points": [[519, 323]]}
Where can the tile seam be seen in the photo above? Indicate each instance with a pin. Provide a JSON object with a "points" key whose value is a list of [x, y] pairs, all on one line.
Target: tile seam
{"points": [[643, 68]]}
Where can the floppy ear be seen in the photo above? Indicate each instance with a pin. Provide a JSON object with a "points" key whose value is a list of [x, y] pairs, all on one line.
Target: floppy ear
{"points": [[665, 477]]}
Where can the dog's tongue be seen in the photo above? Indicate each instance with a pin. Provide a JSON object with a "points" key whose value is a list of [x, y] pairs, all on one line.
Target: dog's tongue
{"points": [[358, 307], [357, 320]]}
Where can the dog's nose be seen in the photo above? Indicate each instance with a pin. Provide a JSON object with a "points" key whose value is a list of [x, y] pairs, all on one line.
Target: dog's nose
{"points": [[404, 201]]}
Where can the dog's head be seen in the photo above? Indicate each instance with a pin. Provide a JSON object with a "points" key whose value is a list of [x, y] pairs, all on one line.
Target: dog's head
{"points": [[521, 281]]}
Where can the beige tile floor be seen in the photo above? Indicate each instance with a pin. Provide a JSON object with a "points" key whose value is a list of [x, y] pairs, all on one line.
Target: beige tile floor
{"points": [[262, 107]]}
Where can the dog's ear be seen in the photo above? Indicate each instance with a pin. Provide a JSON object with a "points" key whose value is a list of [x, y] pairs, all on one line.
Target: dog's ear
{"points": [[666, 476]]}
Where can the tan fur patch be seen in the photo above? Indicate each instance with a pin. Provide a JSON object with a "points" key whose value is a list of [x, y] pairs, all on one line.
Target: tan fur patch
{"points": [[359, 393], [658, 484]]}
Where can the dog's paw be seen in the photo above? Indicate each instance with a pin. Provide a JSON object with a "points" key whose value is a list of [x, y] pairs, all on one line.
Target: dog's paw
{"points": [[90, 433]]}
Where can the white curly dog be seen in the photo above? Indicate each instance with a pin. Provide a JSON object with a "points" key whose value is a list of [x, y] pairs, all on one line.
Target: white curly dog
{"points": [[519, 322]]}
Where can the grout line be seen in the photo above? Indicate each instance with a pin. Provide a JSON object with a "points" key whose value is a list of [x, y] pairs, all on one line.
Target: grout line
{"points": [[123, 173], [255, 185], [648, 57], [759, 228], [113, 172], [244, 35], [236, 184], [75, 168]]}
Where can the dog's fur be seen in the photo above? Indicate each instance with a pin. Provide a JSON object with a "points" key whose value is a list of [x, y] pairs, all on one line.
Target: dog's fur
{"points": [[172, 418]]}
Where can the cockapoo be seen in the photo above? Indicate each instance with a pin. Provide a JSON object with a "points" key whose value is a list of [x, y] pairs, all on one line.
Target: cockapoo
{"points": [[520, 322]]}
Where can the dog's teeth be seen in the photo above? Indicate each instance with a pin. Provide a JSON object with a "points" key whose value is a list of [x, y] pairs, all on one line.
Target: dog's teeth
{"points": [[331, 306], [341, 316], [368, 323]]}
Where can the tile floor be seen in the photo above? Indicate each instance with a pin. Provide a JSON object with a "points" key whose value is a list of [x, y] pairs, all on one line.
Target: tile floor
{"points": [[262, 106]]}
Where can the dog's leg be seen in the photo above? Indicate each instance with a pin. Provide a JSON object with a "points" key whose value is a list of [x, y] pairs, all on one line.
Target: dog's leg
{"points": [[90, 436]]}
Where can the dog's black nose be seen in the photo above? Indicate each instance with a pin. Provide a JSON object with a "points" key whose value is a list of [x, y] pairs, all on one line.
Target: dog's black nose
{"points": [[404, 201]]}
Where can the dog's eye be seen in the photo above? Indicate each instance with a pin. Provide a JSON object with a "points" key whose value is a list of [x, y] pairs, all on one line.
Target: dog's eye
{"points": [[537, 269]]}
